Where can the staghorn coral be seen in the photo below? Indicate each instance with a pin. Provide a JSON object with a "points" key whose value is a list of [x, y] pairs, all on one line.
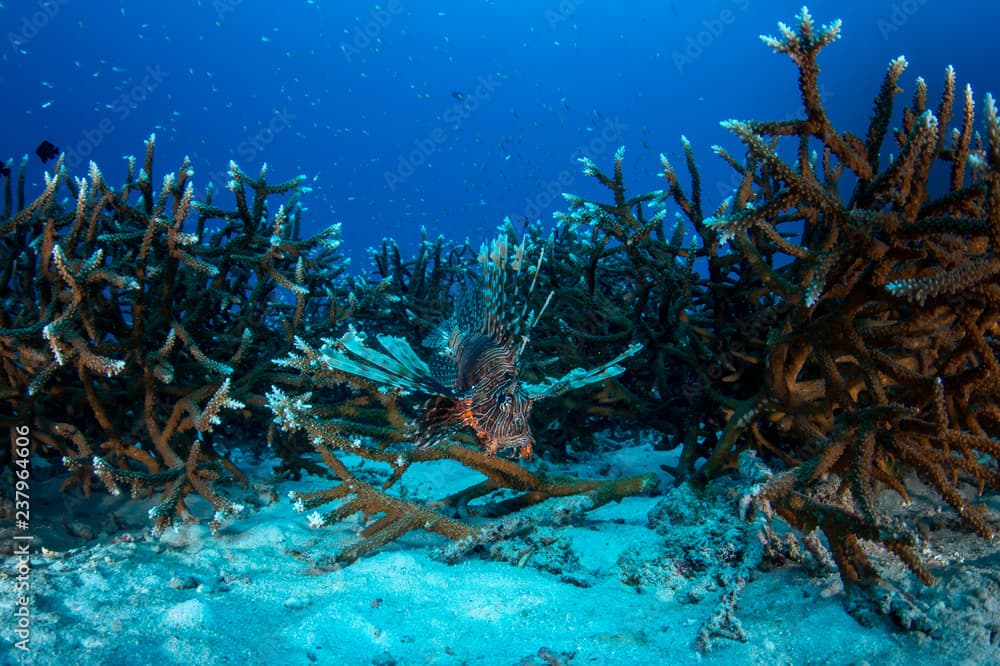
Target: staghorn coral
{"points": [[885, 358], [849, 336], [638, 282], [492, 325], [125, 340], [419, 288], [847, 333]]}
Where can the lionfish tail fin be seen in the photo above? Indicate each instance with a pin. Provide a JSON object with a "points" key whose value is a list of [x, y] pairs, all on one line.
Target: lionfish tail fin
{"points": [[579, 377], [399, 368]]}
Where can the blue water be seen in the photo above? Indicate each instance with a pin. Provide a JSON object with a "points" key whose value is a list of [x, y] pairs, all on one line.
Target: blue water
{"points": [[448, 115]]}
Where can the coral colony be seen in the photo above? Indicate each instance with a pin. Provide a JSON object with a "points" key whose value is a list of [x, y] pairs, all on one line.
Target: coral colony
{"points": [[845, 331]]}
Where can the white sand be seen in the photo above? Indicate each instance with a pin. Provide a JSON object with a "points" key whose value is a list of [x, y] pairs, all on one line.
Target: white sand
{"points": [[264, 590]]}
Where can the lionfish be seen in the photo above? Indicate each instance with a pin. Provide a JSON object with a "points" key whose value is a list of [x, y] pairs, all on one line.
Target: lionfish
{"points": [[473, 377]]}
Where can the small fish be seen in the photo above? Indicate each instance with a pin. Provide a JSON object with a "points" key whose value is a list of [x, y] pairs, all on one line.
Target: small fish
{"points": [[458, 95], [46, 151]]}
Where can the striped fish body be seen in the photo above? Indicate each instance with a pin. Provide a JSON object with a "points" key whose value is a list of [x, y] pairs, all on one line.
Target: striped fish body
{"points": [[473, 376], [489, 399]]}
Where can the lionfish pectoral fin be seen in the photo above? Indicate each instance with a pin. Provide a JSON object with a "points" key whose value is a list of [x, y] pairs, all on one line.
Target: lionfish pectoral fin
{"points": [[579, 377], [400, 367], [433, 437]]}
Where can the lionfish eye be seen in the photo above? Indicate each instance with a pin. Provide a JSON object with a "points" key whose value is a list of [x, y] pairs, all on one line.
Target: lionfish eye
{"points": [[501, 399]]}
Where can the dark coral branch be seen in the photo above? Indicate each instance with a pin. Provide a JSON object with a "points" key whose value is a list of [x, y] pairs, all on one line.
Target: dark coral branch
{"points": [[112, 300]]}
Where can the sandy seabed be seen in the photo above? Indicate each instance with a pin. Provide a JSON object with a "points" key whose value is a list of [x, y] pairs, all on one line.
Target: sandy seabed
{"points": [[651, 580]]}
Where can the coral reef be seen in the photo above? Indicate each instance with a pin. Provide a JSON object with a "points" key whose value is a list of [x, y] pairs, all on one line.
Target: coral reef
{"points": [[847, 337], [125, 339], [473, 381], [886, 356], [837, 317]]}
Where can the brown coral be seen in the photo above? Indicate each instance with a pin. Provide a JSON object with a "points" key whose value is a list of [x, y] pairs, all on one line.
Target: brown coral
{"points": [[125, 339], [849, 336], [887, 355]]}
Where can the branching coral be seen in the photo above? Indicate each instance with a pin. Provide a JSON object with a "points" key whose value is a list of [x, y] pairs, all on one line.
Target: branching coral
{"points": [[837, 314], [125, 340], [419, 288], [852, 337], [885, 358], [371, 424], [485, 338], [703, 336]]}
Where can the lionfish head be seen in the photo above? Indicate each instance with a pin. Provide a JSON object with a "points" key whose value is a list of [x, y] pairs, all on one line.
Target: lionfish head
{"points": [[482, 375], [493, 403], [502, 421]]}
